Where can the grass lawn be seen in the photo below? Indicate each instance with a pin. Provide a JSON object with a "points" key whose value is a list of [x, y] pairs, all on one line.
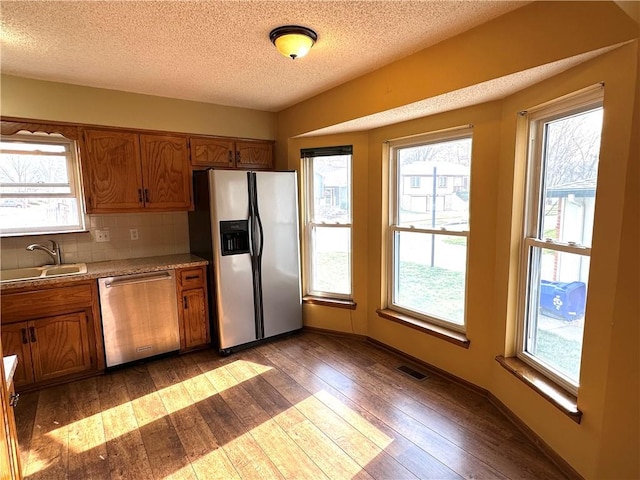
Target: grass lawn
{"points": [[432, 290], [559, 352]]}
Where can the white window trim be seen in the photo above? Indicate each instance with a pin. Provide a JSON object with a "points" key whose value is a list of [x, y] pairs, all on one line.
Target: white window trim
{"points": [[309, 226], [530, 124], [450, 134], [75, 185]]}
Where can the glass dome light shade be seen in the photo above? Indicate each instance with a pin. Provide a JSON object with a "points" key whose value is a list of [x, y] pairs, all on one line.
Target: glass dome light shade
{"points": [[292, 41]]}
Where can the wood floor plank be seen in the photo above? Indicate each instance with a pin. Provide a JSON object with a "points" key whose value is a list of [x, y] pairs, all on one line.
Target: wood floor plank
{"points": [[435, 390], [48, 455], [448, 453], [127, 456], [305, 407], [488, 444], [208, 460], [164, 449], [243, 451], [352, 441], [87, 443], [290, 460], [408, 454]]}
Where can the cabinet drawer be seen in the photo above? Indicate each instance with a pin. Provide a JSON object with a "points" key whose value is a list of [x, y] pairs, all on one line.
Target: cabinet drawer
{"points": [[191, 277], [37, 303]]}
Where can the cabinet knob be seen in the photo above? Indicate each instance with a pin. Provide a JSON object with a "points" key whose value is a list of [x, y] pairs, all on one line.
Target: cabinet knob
{"points": [[146, 195], [13, 399], [238, 156], [32, 331], [25, 340], [140, 199], [186, 305], [230, 157]]}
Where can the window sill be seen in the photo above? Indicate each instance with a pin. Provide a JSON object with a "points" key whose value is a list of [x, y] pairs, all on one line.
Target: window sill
{"points": [[443, 333], [565, 402], [329, 302]]}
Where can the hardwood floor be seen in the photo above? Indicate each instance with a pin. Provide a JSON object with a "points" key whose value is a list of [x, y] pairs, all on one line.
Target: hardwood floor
{"points": [[307, 407]]}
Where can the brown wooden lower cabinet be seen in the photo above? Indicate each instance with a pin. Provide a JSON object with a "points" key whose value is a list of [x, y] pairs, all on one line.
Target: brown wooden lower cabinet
{"points": [[12, 437], [59, 345], [9, 454], [193, 310]]}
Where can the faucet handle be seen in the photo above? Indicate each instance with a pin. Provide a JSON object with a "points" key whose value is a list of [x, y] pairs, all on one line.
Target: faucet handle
{"points": [[57, 251]]}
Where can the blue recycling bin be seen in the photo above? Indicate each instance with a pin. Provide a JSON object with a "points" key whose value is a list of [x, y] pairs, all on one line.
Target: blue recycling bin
{"points": [[564, 300]]}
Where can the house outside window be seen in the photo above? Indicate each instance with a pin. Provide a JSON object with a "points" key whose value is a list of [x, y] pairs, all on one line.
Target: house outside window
{"points": [[563, 156], [39, 185], [327, 221], [429, 229]]}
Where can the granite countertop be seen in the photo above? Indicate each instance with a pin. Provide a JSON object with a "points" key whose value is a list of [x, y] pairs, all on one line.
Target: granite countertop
{"points": [[112, 268], [10, 365]]}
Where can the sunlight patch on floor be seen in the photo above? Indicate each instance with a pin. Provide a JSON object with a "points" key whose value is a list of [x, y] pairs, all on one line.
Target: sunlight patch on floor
{"points": [[121, 419]]}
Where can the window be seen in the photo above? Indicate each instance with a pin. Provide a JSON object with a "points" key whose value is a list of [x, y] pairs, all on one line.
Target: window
{"points": [[39, 185], [327, 249], [563, 149], [429, 232], [415, 182], [442, 181]]}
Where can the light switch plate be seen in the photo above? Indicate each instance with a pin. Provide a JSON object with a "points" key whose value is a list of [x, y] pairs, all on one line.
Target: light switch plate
{"points": [[134, 233]]}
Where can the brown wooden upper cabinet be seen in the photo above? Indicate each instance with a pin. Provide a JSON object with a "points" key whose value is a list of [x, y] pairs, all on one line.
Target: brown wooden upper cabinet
{"points": [[128, 171], [214, 152]]}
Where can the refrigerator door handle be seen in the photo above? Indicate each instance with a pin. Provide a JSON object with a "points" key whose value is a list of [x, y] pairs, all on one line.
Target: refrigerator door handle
{"points": [[260, 239], [250, 232]]}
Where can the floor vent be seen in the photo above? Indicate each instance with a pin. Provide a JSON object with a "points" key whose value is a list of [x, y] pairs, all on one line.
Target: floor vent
{"points": [[411, 372]]}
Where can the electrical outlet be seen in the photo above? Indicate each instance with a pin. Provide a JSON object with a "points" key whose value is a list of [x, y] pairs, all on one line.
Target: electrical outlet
{"points": [[134, 233], [102, 236]]}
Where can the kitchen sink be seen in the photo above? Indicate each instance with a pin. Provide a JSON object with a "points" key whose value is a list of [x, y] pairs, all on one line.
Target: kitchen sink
{"points": [[47, 271], [75, 268]]}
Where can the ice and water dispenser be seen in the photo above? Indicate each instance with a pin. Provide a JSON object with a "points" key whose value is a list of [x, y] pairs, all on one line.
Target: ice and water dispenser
{"points": [[234, 235]]}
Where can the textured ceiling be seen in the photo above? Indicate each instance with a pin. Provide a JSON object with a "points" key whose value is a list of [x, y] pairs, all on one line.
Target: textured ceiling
{"points": [[219, 51]]}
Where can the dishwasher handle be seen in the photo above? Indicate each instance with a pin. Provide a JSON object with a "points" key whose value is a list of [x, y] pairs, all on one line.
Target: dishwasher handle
{"points": [[118, 282]]}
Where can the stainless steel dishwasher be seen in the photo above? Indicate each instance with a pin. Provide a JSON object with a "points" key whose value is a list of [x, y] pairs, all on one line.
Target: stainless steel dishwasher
{"points": [[139, 316]]}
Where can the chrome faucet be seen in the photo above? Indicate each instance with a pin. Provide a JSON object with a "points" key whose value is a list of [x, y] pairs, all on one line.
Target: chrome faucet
{"points": [[54, 252]]}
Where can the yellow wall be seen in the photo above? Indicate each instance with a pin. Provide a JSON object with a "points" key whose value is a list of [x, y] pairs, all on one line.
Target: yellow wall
{"points": [[606, 443], [37, 99]]}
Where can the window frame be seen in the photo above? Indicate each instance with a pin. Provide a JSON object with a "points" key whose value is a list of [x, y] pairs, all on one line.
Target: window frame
{"points": [[441, 136], [310, 226], [531, 126], [75, 183]]}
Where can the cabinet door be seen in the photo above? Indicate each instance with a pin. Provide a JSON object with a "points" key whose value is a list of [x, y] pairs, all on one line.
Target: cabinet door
{"points": [[212, 152], [111, 167], [254, 155], [15, 341], [166, 172], [60, 345], [196, 325]]}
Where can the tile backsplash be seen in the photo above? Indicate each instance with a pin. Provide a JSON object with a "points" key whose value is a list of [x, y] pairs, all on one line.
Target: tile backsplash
{"points": [[158, 234]]}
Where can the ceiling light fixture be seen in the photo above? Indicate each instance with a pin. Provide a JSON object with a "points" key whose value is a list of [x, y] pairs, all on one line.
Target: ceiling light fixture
{"points": [[293, 41]]}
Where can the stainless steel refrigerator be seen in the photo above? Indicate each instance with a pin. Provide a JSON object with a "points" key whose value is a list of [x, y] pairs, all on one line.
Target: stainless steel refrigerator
{"points": [[246, 225]]}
